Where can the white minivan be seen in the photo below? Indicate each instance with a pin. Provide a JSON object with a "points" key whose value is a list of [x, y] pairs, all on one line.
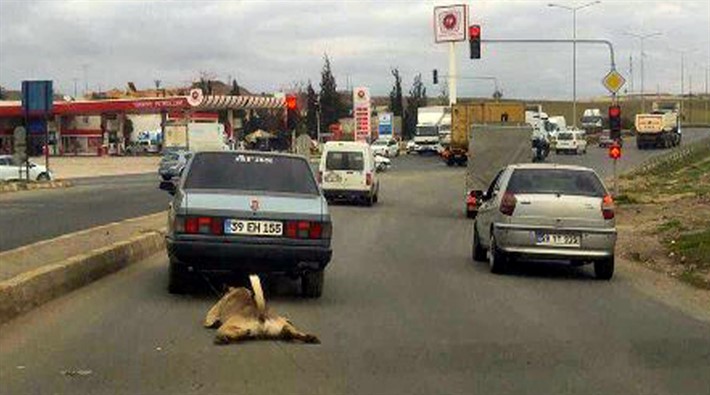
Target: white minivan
{"points": [[347, 171], [572, 141]]}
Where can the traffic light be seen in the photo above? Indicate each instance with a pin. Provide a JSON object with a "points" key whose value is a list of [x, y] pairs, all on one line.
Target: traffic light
{"points": [[292, 114], [474, 41], [615, 122], [435, 76]]}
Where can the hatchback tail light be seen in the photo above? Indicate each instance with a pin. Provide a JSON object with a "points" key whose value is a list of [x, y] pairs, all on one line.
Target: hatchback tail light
{"points": [[608, 207], [368, 179], [507, 204]]}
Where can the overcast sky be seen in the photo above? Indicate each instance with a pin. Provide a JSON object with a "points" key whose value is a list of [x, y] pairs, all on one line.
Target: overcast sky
{"points": [[270, 45]]}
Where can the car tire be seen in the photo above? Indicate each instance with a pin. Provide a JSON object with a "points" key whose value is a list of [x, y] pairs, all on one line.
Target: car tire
{"points": [[604, 269], [43, 177], [369, 200], [312, 284], [497, 259], [478, 253], [376, 198], [178, 278]]}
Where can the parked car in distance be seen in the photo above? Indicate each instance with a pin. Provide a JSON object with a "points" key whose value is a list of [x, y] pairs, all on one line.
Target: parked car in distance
{"points": [[387, 147], [546, 211], [571, 141], [10, 170], [411, 146], [248, 212], [347, 170], [172, 164]]}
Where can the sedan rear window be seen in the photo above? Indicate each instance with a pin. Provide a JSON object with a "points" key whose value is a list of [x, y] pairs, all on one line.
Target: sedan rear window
{"points": [[555, 181], [248, 172], [344, 161]]}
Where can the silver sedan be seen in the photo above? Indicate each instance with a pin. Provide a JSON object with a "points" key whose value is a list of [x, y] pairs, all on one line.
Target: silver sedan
{"points": [[546, 211]]}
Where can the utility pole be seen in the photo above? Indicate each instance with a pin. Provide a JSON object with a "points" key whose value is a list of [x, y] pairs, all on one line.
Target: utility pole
{"points": [[642, 38], [631, 73], [574, 52]]}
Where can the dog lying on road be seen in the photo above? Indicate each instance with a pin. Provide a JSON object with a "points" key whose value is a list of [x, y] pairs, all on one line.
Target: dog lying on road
{"points": [[241, 315]]}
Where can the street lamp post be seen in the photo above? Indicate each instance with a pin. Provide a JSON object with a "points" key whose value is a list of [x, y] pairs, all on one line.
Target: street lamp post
{"points": [[574, 52], [642, 38]]}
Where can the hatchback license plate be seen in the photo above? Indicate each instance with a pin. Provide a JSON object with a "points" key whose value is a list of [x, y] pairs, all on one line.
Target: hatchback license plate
{"points": [[557, 239], [253, 228]]}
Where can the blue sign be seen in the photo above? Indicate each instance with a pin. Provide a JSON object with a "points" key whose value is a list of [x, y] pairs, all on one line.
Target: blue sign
{"points": [[385, 124], [37, 97]]}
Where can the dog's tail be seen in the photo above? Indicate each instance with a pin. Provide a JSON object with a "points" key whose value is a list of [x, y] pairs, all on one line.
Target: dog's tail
{"points": [[258, 293]]}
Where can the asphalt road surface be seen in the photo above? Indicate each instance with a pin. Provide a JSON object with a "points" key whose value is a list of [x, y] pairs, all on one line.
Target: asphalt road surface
{"points": [[405, 311], [31, 216]]}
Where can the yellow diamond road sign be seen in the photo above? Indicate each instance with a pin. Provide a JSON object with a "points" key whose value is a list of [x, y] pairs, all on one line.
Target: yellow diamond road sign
{"points": [[613, 81]]}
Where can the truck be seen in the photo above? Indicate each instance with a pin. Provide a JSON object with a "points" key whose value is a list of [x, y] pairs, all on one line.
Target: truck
{"points": [[465, 115], [592, 120], [660, 128], [194, 136], [432, 122]]}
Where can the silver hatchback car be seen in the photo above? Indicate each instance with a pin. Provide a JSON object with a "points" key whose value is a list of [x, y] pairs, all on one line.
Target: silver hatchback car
{"points": [[546, 211], [248, 212]]}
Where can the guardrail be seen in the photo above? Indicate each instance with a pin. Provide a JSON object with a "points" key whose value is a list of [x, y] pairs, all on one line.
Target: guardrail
{"points": [[673, 157]]}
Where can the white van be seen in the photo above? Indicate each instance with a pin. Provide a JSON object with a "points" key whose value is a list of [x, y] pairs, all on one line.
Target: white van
{"points": [[347, 171], [572, 141]]}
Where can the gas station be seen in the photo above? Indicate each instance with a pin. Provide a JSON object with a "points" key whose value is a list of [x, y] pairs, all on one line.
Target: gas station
{"points": [[99, 127]]}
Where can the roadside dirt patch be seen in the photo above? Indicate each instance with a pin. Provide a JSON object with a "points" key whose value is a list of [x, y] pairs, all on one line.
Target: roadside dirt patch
{"points": [[74, 167]]}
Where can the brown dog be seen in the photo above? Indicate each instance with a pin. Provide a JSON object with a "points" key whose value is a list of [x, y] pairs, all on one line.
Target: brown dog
{"points": [[242, 315]]}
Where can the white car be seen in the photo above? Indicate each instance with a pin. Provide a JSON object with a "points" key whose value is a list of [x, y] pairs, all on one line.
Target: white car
{"points": [[571, 141], [347, 170], [9, 170], [386, 147]]}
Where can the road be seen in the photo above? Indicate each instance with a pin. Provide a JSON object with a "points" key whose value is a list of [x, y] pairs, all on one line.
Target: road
{"points": [[31, 216], [405, 311]]}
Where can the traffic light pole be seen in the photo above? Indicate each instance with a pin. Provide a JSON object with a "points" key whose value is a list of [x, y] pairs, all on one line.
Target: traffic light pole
{"points": [[558, 41]]}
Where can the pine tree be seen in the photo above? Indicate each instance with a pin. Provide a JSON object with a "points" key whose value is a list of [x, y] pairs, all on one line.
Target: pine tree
{"points": [[396, 94], [330, 104], [311, 110], [417, 98]]}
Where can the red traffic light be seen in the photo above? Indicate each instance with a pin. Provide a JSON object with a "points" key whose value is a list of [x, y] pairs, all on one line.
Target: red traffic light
{"points": [[291, 103], [615, 151], [614, 111], [474, 32]]}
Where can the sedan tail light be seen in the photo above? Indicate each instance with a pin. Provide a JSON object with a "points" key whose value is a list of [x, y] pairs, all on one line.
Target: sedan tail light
{"points": [[507, 204], [199, 225], [608, 207], [308, 230]]}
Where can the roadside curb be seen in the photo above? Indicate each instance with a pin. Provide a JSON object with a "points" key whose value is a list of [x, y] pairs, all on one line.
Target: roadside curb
{"points": [[28, 290], [25, 186]]}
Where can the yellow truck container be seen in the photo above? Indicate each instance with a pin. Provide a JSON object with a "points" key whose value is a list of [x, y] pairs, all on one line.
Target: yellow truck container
{"points": [[465, 115]]}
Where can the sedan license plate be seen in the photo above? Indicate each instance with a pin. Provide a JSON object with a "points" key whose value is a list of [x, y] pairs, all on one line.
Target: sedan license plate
{"points": [[253, 228], [557, 239]]}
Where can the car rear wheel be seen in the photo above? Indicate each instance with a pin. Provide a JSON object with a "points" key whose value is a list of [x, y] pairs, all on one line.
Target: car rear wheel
{"points": [[312, 284], [479, 253], [43, 177], [497, 259], [178, 278], [604, 269]]}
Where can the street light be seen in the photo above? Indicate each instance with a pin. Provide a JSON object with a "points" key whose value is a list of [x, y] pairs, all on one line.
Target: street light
{"points": [[574, 51], [643, 37], [682, 53]]}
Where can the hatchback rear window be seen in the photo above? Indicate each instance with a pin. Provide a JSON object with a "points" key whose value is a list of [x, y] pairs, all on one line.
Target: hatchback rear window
{"points": [[555, 181], [248, 172], [565, 136], [344, 161]]}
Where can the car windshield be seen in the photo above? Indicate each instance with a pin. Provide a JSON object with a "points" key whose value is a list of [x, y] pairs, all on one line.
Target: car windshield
{"points": [[380, 142], [344, 161], [555, 181], [250, 172], [171, 156]]}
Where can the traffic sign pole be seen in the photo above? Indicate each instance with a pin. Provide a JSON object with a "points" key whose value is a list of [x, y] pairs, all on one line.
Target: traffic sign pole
{"points": [[616, 182]]}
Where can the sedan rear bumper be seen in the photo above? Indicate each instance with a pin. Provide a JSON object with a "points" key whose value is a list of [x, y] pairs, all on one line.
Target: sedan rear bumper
{"points": [[257, 256], [595, 243]]}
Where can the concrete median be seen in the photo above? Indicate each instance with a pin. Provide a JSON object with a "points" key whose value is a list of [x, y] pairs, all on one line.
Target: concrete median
{"points": [[16, 186], [31, 288]]}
